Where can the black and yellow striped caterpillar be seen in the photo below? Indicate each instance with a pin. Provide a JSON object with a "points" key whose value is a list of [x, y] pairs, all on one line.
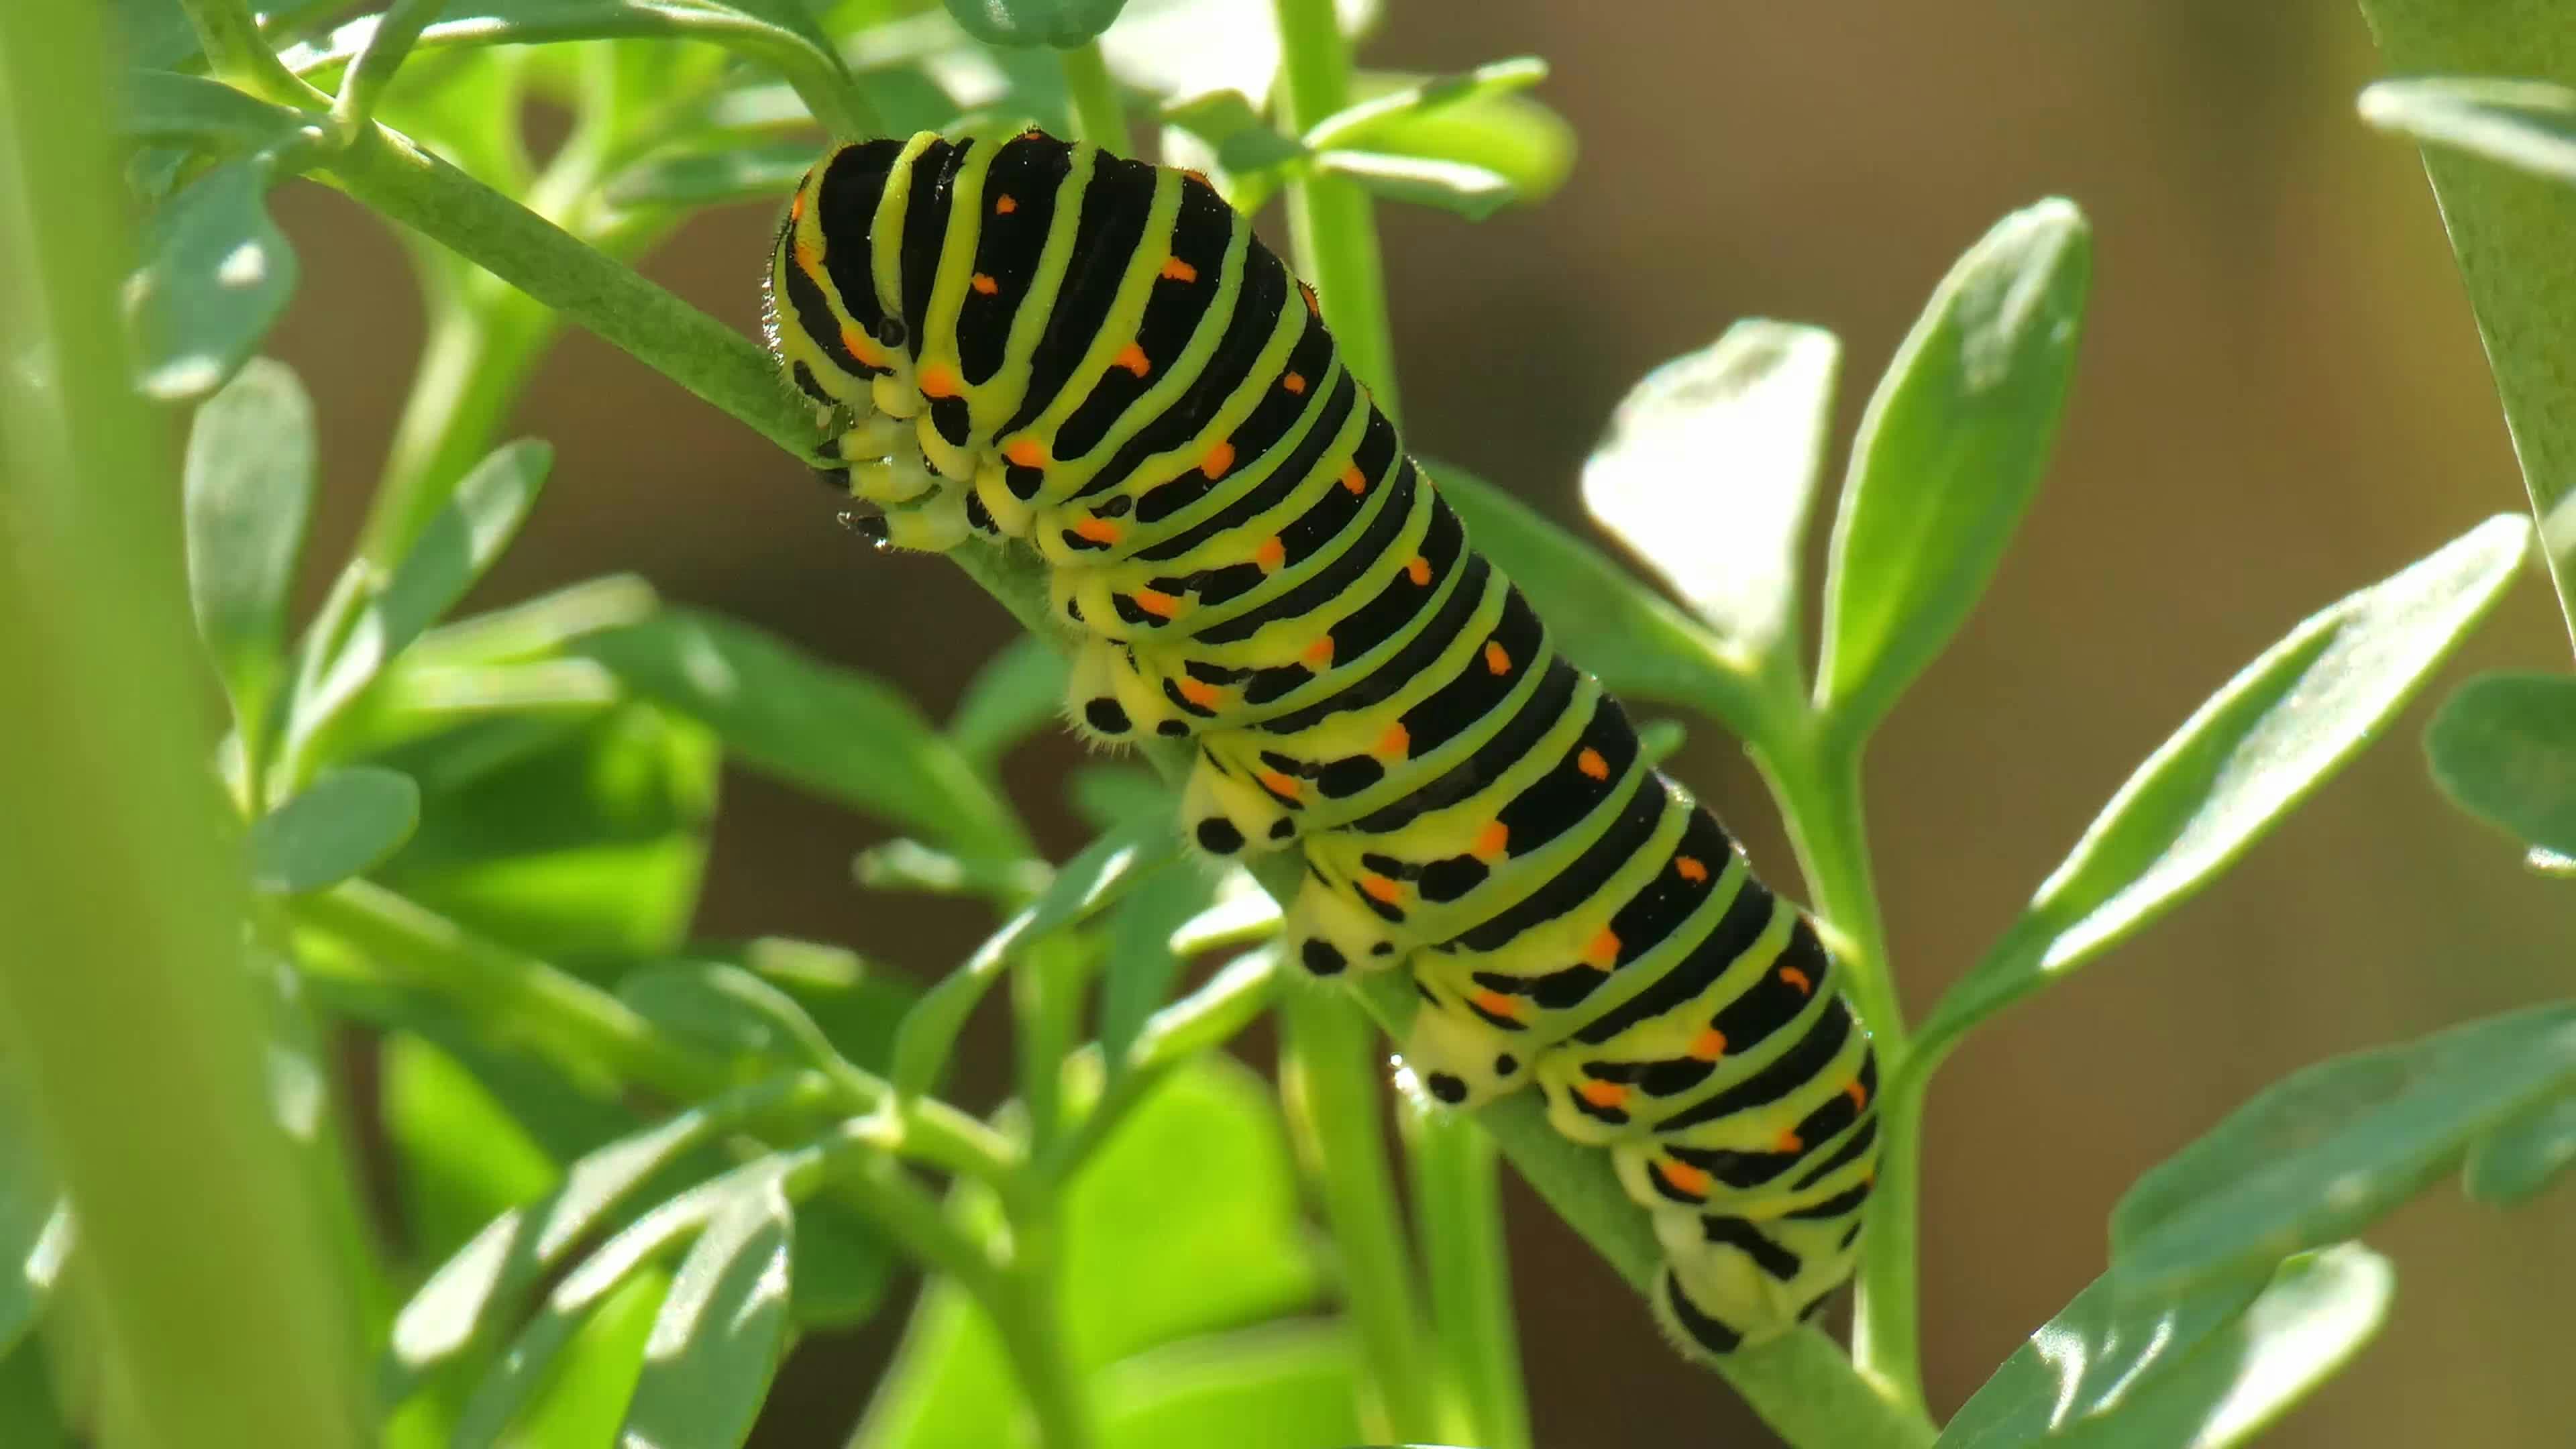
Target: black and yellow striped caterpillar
{"points": [[1037, 340]]}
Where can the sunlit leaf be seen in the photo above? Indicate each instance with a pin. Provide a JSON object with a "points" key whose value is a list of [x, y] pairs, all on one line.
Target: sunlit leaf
{"points": [[1060, 23], [216, 275], [2261, 745], [1282, 1386], [160, 105], [248, 494], [1467, 189], [721, 1330], [2513, 1163], [909, 865], [344, 824], [1142, 965], [2528, 125], [1510, 133]]}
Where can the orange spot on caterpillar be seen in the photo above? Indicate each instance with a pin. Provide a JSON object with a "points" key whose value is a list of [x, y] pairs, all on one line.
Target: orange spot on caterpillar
{"points": [[1709, 1045], [1603, 950], [1497, 1003], [1498, 660], [1198, 176], [1379, 888], [1419, 570], [1591, 764], [1313, 307], [1685, 1178], [861, 346], [1026, 452], [1272, 553], [938, 382], [1859, 1094], [1798, 978], [1352, 479], [1132, 358], [984, 284], [1157, 603], [1396, 741], [809, 258], [1603, 1094], [1204, 695], [796, 207], [1493, 840], [1319, 652], [1295, 382], [1176, 270], [1789, 1141], [1098, 530], [1218, 460], [1005, 204], [1689, 868]]}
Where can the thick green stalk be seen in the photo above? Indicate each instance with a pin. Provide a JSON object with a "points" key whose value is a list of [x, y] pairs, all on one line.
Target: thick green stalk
{"points": [[128, 1012], [1029, 1310], [1329, 219], [1459, 1211], [237, 52], [1329, 1056], [1097, 115]]}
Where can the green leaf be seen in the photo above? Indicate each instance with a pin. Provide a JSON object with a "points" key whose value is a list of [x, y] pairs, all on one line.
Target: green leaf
{"points": [[29, 1417], [2245, 759], [1142, 964], [2527, 125], [1467, 189], [854, 1001], [1243, 143], [2512, 1164], [343, 825], [2508, 226], [2207, 1371], [1108, 796], [163, 106], [577, 841], [2327, 1150], [1512, 134], [1085, 884], [721, 1330], [477, 1291], [461, 1158], [1603, 618], [1135, 1273], [458, 545], [1948, 455], [586, 1378], [1060, 23], [216, 275], [764, 171], [843, 734], [728, 1011], [35, 1227], [1282, 1386], [1017, 693], [909, 865], [248, 490], [1188, 47], [2504, 749], [1658, 738], [1364, 125], [1706, 474]]}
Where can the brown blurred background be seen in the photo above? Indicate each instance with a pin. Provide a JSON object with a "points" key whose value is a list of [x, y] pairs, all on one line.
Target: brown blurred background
{"points": [[2280, 398]]}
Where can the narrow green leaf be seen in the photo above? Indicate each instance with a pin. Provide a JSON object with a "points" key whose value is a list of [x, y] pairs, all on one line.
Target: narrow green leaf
{"points": [[2327, 1150], [1706, 474], [2504, 749], [1083, 885], [1243, 143], [2512, 1164], [1467, 189], [2550, 863], [1063, 24], [2262, 744], [35, 1228], [477, 1291], [721, 1331], [459, 544], [841, 733], [461, 1156], [1948, 456], [909, 865], [855, 1001], [729, 1011], [29, 1416], [2212, 1370], [1287, 1385], [1658, 738], [190, 110], [2528, 125], [1602, 617], [575, 1387], [535, 629], [1016, 694], [1142, 965], [248, 489], [216, 275], [1510, 133], [1108, 796], [1362, 126], [2508, 226], [343, 825], [764, 171]]}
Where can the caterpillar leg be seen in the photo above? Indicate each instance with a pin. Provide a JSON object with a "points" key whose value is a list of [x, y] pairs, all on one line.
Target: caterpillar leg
{"points": [[1328, 933], [1110, 702], [1461, 1057], [1225, 813], [934, 525], [1730, 1282]]}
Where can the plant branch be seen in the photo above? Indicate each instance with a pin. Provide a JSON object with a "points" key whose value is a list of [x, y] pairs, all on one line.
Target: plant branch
{"points": [[1329, 220], [1098, 116]]}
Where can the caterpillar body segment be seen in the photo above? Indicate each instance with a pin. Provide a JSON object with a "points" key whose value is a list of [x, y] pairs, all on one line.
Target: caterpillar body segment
{"points": [[1035, 340]]}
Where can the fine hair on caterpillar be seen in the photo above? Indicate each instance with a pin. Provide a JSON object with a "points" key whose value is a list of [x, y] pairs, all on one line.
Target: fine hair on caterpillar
{"points": [[1033, 339]]}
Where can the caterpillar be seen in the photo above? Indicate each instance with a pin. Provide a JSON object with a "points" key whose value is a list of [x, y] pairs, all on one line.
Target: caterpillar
{"points": [[1035, 340]]}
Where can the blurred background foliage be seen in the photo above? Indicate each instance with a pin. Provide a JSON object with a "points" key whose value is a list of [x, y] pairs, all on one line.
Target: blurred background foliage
{"points": [[2281, 397]]}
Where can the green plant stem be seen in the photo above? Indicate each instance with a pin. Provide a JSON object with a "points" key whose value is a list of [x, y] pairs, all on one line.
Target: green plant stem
{"points": [[382, 55], [128, 1014], [471, 366], [1098, 117], [1329, 1056], [1459, 1213], [238, 53], [1202, 1021], [1816, 775], [1029, 1310], [1329, 220]]}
